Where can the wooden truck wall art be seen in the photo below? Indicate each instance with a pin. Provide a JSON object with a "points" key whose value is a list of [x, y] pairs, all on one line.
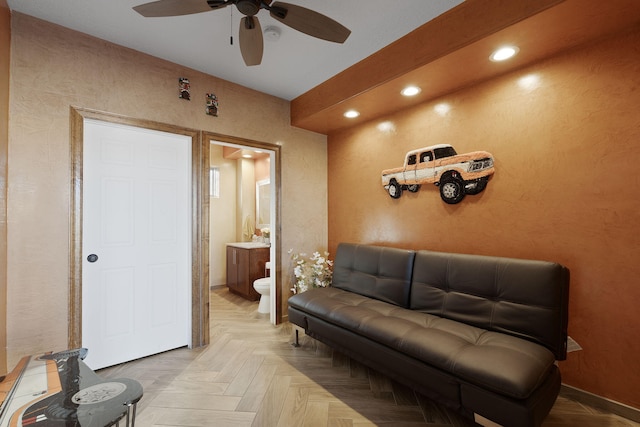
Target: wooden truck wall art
{"points": [[456, 174]]}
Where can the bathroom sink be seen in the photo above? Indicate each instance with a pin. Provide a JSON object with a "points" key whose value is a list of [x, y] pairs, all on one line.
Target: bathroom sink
{"points": [[248, 245]]}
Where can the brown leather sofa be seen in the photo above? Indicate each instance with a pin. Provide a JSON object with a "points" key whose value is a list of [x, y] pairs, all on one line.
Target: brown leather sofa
{"points": [[479, 334]]}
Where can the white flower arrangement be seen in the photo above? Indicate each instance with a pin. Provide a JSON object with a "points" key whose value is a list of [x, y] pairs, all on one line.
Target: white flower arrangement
{"points": [[266, 232], [311, 272]]}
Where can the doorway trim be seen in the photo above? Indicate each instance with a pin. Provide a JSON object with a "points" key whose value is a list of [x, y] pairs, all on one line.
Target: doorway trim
{"points": [[276, 228], [199, 229]]}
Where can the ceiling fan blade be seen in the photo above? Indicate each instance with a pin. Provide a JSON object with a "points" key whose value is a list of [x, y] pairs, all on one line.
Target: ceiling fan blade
{"points": [[251, 43], [309, 22], [162, 8]]}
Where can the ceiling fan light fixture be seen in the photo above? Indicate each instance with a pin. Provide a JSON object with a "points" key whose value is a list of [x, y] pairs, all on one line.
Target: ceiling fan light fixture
{"points": [[351, 114], [504, 53], [410, 91], [248, 7]]}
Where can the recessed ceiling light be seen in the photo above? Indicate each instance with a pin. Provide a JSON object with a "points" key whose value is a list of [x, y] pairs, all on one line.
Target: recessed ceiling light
{"points": [[351, 114], [504, 53], [410, 91], [247, 156]]}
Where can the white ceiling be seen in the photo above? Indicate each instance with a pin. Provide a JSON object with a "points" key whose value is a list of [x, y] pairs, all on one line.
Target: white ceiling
{"points": [[290, 66]]}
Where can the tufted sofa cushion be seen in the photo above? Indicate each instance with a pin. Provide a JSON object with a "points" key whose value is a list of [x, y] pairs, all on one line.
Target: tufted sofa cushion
{"points": [[374, 271], [497, 294], [501, 363]]}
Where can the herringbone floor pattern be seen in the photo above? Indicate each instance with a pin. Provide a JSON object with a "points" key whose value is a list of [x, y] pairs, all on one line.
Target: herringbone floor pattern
{"points": [[250, 375]]}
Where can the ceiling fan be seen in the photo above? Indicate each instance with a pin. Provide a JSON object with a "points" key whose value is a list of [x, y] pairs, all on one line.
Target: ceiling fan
{"points": [[251, 43]]}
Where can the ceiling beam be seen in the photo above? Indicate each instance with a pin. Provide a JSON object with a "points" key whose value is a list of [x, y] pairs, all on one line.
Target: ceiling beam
{"points": [[451, 52]]}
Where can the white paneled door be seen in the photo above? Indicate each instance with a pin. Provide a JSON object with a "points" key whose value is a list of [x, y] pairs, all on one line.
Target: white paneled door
{"points": [[136, 242]]}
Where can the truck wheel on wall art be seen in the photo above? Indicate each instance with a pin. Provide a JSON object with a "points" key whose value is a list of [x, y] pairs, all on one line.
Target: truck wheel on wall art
{"points": [[456, 174]]}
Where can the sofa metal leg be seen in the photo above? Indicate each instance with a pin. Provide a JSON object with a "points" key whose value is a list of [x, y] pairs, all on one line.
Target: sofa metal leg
{"points": [[296, 343]]}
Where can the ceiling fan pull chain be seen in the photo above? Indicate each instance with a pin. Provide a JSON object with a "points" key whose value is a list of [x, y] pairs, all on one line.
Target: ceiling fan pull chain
{"points": [[231, 28]]}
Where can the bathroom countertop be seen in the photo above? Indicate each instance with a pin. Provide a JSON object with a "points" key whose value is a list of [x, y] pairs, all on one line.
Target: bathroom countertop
{"points": [[249, 245]]}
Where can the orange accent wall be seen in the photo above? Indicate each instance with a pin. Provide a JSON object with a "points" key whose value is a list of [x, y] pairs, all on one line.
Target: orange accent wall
{"points": [[565, 134]]}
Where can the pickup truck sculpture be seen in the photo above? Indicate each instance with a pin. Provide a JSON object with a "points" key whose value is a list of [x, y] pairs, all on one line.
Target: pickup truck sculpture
{"points": [[455, 174]]}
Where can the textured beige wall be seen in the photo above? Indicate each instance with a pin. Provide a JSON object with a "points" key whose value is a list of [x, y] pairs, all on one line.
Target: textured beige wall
{"points": [[222, 217], [565, 134], [5, 41], [246, 199], [263, 167], [54, 68]]}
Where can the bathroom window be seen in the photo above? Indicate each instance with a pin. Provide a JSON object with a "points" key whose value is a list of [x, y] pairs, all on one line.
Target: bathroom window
{"points": [[214, 182]]}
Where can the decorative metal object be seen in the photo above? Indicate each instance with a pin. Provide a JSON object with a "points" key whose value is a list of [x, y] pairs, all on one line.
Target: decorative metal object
{"points": [[212, 105], [185, 88], [455, 174]]}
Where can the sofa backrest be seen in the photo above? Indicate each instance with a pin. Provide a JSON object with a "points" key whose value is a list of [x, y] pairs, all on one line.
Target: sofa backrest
{"points": [[528, 299], [374, 271]]}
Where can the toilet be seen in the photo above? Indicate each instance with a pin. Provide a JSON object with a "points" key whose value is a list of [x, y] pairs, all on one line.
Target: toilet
{"points": [[263, 287]]}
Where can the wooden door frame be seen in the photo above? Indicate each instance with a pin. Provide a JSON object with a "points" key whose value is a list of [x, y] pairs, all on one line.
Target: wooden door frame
{"points": [[199, 221], [276, 228]]}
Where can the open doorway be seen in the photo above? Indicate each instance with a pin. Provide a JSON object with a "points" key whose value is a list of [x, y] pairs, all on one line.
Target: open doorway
{"points": [[244, 207]]}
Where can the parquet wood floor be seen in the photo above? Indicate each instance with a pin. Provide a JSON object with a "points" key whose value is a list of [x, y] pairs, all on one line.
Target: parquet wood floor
{"points": [[250, 375]]}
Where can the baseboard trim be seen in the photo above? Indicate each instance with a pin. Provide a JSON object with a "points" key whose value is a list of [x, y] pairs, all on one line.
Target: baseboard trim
{"points": [[599, 402]]}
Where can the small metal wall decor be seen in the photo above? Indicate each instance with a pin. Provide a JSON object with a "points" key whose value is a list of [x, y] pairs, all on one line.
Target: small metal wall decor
{"points": [[455, 174], [212, 105], [185, 88]]}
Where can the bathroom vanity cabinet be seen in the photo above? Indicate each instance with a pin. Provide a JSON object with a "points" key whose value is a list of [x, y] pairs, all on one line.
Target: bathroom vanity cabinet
{"points": [[245, 264]]}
